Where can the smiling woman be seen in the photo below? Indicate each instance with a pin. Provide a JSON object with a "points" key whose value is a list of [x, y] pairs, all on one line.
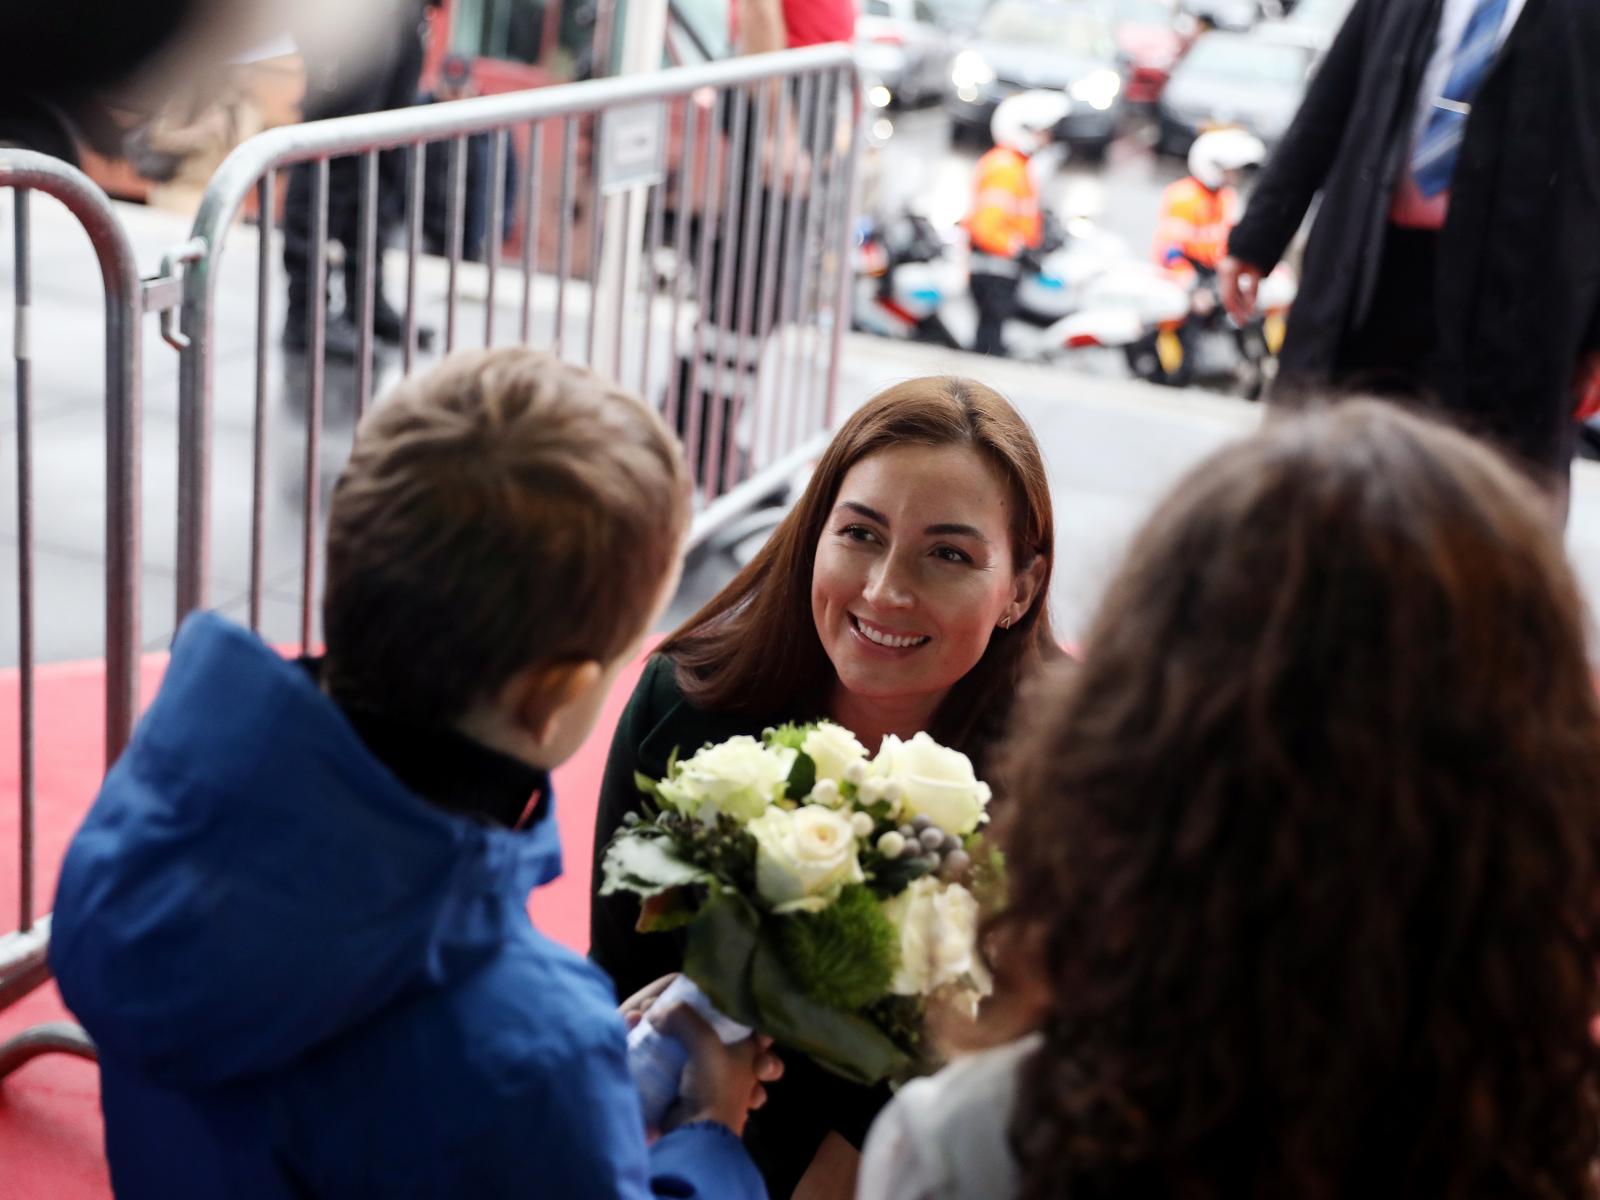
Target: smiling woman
{"points": [[906, 591]]}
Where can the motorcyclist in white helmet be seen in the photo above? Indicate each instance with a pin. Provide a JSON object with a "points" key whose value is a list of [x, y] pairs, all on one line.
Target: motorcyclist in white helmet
{"points": [[1005, 222], [1197, 213]]}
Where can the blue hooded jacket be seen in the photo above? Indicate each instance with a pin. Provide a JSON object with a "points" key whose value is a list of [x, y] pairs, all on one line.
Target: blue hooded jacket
{"points": [[305, 980]]}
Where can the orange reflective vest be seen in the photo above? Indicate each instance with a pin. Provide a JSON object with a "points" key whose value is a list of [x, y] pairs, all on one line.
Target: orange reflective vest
{"points": [[1005, 206], [1195, 223]]}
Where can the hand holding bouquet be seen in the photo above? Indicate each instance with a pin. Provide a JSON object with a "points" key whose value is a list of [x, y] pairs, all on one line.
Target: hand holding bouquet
{"points": [[828, 898]]}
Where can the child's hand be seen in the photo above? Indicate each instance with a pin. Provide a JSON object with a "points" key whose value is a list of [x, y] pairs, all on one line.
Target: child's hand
{"points": [[720, 1083], [635, 1006]]}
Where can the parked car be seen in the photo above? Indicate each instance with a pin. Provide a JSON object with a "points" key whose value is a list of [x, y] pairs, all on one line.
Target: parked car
{"points": [[901, 48], [1023, 44], [1231, 79], [959, 17], [1151, 37]]}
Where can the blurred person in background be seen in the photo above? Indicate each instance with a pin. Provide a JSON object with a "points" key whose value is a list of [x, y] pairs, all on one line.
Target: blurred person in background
{"points": [[456, 83], [754, 27], [385, 76], [1199, 211], [1455, 258], [1006, 223]]}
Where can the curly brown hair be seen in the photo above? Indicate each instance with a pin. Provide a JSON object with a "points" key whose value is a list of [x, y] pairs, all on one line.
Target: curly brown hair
{"points": [[1304, 856]]}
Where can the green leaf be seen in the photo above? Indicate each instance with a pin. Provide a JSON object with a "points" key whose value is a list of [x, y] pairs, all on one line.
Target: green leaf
{"points": [[732, 957], [717, 955], [802, 777], [644, 783], [847, 1045], [791, 735], [642, 860]]}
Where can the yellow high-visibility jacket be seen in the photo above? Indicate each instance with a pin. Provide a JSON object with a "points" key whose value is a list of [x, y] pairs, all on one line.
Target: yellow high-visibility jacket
{"points": [[1195, 223], [1005, 217]]}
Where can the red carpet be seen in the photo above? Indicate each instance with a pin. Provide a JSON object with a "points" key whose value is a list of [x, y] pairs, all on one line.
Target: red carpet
{"points": [[50, 1137]]}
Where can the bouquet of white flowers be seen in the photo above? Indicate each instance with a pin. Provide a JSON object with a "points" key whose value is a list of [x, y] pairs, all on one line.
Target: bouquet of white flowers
{"points": [[828, 897]]}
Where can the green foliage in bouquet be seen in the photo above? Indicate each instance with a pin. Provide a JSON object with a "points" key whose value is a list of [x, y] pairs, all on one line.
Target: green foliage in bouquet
{"points": [[843, 956], [744, 975]]}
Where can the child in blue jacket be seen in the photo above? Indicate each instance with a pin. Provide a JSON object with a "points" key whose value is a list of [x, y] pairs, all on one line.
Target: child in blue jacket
{"points": [[295, 921]]}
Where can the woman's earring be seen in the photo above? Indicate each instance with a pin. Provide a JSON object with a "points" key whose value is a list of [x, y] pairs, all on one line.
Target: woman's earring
{"points": [[1005, 622]]}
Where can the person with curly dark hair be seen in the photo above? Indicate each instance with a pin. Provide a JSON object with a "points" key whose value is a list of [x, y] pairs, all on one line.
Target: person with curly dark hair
{"points": [[1303, 857]]}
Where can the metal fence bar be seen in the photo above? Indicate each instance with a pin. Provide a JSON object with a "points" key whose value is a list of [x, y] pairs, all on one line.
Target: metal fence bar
{"points": [[370, 268], [751, 250], [258, 468], [315, 367], [569, 168], [597, 203], [491, 236], [708, 233], [530, 224], [24, 953], [708, 474], [780, 193], [22, 353], [843, 243], [680, 257], [657, 199], [794, 259], [458, 201], [415, 186]]}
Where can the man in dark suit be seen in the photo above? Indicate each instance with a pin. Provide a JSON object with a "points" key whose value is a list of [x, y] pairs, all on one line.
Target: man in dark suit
{"points": [[1456, 254]]}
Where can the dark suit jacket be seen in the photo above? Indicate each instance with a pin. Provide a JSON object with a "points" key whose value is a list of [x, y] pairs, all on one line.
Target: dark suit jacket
{"points": [[809, 1102], [1519, 259]]}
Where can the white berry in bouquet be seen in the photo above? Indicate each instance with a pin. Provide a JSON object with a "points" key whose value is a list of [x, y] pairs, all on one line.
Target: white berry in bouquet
{"points": [[738, 778], [804, 858], [933, 781]]}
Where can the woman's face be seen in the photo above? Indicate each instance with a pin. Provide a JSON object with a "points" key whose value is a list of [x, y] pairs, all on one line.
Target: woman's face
{"points": [[914, 571]]}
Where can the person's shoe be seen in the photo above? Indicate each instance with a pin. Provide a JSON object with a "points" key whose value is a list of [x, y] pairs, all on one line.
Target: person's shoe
{"points": [[340, 340], [388, 325]]}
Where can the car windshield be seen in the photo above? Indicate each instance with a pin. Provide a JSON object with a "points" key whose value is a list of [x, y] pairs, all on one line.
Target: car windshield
{"points": [[1246, 60], [1058, 26], [876, 8]]}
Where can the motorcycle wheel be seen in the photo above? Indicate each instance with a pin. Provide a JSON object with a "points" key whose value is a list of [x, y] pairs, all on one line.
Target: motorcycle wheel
{"points": [[934, 332], [1144, 361]]}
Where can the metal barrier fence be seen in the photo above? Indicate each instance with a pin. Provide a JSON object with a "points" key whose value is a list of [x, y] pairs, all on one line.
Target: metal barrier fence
{"points": [[685, 231], [23, 965]]}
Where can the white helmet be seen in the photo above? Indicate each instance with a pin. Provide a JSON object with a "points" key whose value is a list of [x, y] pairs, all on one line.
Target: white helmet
{"points": [[1025, 122], [1216, 153]]}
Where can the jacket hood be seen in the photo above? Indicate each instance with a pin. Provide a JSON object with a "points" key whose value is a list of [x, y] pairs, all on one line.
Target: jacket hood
{"points": [[252, 882]]}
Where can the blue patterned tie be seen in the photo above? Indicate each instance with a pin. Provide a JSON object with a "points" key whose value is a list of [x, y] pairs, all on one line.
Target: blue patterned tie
{"points": [[1433, 161]]}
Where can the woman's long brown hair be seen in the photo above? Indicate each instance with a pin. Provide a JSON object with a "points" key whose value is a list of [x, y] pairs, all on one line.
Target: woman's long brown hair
{"points": [[755, 646], [1306, 852]]}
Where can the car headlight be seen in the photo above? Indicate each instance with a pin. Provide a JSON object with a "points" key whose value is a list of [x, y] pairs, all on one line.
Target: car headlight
{"points": [[1098, 90], [969, 70]]}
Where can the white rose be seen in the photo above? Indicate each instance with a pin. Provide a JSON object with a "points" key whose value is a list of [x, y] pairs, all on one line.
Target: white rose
{"points": [[833, 748], [938, 926], [804, 858], [739, 777], [933, 781]]}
